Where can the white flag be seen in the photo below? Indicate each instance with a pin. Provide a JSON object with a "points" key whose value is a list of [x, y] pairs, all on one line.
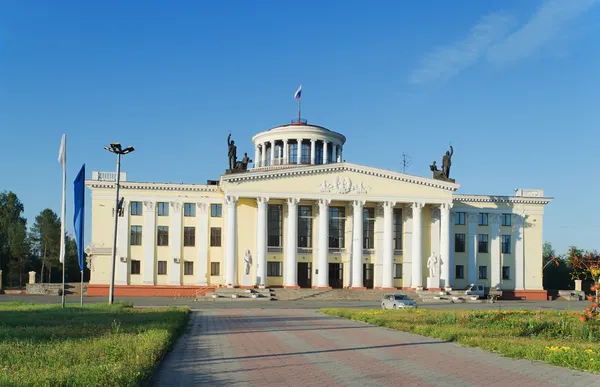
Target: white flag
{"points": [[62, 152]]}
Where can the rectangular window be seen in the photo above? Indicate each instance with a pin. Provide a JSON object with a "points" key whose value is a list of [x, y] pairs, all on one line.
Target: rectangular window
{"points": [[215, 268], [483, 243], [459, 272], [398, 270], [368, 228], [215, 236], [135, 236], [305, 226], [162, 236], [305, 154], [337, 227], [459, 218], [293, 156], [162, 267], [459, 243], [189, 209], [483, 219], [274, 225], [188, 268], [318, 152], [189, 236], [135, 267], [162, 208], [397, 228], [506, 219], [505, 272], [136, 208], [505, 244], [273, 269], [482, 272], [216, 210]]}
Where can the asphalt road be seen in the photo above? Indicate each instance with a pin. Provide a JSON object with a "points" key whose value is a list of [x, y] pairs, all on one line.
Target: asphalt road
{"points": [[301, 304]]}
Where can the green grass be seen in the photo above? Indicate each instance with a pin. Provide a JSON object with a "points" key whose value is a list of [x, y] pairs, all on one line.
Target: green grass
{"points": [[93, 345], [557, 337]]}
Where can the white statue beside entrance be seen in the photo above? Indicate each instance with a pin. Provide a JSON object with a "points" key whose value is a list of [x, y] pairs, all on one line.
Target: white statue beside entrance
{"points": [[433, 264], [247, 278]]}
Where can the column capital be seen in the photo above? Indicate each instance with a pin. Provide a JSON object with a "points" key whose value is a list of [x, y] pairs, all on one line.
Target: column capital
{"points": [[473, 218], [324, 202], [417, 206], [389, 205], [202, 207], [176, 207], [312, 140], [358, 203], [436, 213], [496, 218], [292, 201], [446, 206], [262, 200], [231, 200], [149, 205]]}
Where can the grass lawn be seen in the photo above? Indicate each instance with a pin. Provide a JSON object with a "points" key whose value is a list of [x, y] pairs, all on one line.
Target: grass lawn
{"points": [[557, 337], [93, 345]]}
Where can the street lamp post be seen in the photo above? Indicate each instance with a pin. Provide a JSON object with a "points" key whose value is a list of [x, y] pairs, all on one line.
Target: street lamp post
{"points": [[115, 147]]}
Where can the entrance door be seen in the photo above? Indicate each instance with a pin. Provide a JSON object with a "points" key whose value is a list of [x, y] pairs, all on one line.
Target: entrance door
{"points": [[304, 280], [368, 272], [336, 275]]}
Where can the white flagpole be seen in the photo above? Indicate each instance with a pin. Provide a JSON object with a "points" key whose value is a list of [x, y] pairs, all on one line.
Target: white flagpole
{"points": [[63, 160]]}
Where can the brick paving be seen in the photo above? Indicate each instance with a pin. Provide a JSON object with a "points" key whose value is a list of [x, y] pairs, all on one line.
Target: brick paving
{"points": [[289, 347]]}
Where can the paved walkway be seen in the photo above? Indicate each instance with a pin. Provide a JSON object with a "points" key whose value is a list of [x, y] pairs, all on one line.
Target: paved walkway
{"points": [[303, 348]]}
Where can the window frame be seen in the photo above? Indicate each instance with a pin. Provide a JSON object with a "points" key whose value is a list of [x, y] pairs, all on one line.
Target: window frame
{"points": [[214, 237], [215, 269], [135, 263], [462, 271], [506, 244], [482, 270], [505, 277], [162, 208], [396, 267], [189, 235], [506, 220], [305, 227], [274, 269], [397, 213], [481, 243], [483, 218], [338, 224], [462, 243], [186, 267], [189, 210], [158, 267], [138, 208], [161, 231], [368, 215], [274, 225], [138, 235], [216, 210], [459, 218]]}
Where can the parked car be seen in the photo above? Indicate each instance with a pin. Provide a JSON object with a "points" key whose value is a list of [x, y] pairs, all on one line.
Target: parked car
{"points": [[397, 301], [476, 290]]}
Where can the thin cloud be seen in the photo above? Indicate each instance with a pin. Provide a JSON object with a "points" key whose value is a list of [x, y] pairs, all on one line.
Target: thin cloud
{"points": [[540, 32], [447, 61]]}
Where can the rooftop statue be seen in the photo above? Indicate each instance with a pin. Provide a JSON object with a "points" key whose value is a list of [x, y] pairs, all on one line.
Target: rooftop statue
{"points": [[443, 174], [234, 165]]}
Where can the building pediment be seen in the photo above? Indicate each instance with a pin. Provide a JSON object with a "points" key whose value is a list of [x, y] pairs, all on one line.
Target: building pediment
{"points": [[340, 180]]}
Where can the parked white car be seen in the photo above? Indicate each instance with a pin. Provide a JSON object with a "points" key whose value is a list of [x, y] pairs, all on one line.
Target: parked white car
{"points": [[476, 290], [397, 301]]}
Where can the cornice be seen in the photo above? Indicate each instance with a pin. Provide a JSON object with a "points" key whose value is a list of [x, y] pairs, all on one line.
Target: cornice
{"points": [[463, 198], [337, 167], [153, 186]]}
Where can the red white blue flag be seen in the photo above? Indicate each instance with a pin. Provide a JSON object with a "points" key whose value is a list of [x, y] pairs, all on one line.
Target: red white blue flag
{"points": [[298, 93]]}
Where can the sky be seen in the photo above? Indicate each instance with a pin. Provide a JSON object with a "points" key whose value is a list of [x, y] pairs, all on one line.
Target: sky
{"points": [[512, 85]]}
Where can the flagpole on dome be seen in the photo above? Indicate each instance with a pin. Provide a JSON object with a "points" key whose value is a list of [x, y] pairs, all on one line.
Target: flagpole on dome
{"points": [[298, 95]]}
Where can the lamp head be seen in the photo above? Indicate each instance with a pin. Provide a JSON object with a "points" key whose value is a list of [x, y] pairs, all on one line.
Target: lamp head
{"points": [[115, 146]]}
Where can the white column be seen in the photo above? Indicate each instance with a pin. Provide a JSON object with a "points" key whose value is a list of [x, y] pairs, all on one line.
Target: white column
{"points": [[334, 153], [340, 154], [261, 241], [417, 247], [256, 156], [201, 266], [272, 152], [290, 267], [149, 242], [379, 213], [435, 231], [323, 253], [325, 159], [495, 251], [175, 244], [472, 247], [407, 229], [312, 152], [231, 238], [519, 254], [452, 248], [285, 152], [445, 256], [299, 151], [357, 244], [388, 245], [121, 268], [263, 154]]}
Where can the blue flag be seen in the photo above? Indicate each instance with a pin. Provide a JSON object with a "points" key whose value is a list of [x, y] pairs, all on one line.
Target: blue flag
{"points": [[79, 215]]}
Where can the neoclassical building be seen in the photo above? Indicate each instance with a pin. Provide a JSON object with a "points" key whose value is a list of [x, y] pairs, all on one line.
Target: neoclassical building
{"points": [[301, 216]]}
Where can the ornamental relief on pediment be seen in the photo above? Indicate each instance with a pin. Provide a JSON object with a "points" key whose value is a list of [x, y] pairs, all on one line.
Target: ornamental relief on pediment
{"points": [[343, 185]]}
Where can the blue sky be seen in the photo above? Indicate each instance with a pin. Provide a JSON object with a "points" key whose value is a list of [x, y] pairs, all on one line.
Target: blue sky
{"points": [[513, 85]]}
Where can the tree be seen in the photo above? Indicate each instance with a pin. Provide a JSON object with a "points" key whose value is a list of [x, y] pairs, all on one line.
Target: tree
{"points": [[586, 265], [12, 240], [556, 272], [45, 236], [19, 247]]}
